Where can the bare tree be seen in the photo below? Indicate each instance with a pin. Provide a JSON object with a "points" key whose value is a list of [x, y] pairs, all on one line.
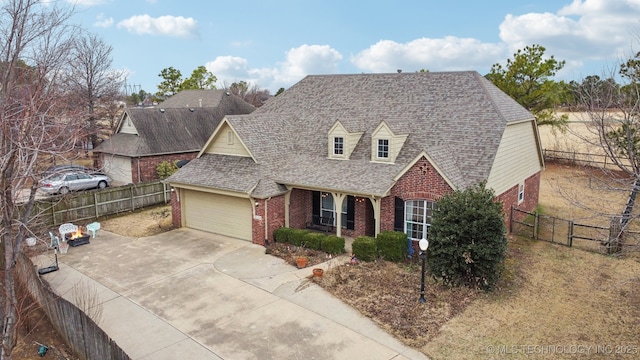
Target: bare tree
{"points": [[251, 94], [35, 122], [93, 80], [612, 112]]}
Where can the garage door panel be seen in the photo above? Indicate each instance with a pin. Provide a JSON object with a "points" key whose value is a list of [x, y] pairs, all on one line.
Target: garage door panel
{"points": [[118, 168], [220, 214]]}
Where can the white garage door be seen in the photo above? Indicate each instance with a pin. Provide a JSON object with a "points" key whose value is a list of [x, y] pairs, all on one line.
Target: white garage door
{"points": [[118, 168], [219, 214]]}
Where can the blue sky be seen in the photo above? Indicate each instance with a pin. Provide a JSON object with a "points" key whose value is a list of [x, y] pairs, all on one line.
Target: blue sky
{"points": [[274, 44]]}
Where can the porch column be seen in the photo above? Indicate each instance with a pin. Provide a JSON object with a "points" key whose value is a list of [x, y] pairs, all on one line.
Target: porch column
{"points": [[337, 203], [287, 200], [376, 203]]}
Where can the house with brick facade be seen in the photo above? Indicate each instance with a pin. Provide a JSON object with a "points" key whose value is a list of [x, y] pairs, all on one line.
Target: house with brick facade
{"points": [[359, 154], [173, 131]]}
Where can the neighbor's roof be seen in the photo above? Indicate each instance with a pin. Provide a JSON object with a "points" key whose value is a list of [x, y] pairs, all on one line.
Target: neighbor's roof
{"points": [[172, 130], [204, 98], [456, 118]]}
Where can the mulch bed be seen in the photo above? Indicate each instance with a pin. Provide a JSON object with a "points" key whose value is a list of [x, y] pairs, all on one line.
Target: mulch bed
{"points": [[290, 253]]}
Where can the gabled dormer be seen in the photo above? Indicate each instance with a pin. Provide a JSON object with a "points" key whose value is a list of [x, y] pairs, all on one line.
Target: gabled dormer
{"points": [[225, 141], [126, 125], [385, 145], [341, 142]]}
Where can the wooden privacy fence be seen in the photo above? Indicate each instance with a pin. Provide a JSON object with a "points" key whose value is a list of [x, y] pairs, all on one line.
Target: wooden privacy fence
{"points": [[79, 331], [564, 232], [89, 205]]}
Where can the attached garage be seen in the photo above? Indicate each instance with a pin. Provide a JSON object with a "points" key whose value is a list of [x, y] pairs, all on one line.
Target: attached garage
{"points": [[219, 214], [118, 168]]}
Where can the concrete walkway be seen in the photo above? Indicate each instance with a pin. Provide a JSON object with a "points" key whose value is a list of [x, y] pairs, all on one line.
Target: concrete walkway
{"points": [[187, 294]]}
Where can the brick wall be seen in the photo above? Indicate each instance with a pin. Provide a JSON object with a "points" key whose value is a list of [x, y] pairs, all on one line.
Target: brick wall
{"points": [[148, 165], [300, 208], [175, 209], [274, 219], [530, 202], [421, 182]]}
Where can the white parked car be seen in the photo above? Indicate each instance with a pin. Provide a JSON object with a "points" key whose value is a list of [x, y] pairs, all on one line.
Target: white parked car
{"points": [[73, 181]]}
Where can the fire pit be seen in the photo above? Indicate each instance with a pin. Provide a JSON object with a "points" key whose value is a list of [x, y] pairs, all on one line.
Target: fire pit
{"points": [[77, 238]]}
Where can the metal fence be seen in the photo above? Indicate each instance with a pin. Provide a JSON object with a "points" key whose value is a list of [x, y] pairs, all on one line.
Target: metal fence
{"points": [[80, 332], [90, 205], [562, 231]]}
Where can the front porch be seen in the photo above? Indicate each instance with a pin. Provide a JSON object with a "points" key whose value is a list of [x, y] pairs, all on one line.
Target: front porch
{"points": [[340, 214]]}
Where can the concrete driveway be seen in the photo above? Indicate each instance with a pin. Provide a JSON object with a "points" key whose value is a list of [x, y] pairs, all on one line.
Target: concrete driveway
{"points": [[187, 294]]}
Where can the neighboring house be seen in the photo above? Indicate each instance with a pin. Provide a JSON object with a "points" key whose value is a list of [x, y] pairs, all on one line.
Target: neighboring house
{"points": [[172, 131], [360, 154]]}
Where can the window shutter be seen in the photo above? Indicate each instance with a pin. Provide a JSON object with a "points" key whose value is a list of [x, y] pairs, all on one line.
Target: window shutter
{"points": [[398, 223], [351, 210], [316, 207]]}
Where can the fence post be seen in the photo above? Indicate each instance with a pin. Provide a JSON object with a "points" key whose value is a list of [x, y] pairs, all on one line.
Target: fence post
{"points": [[95, 204], [570, 234], [511, 220], [536, 222], [133, 204]]}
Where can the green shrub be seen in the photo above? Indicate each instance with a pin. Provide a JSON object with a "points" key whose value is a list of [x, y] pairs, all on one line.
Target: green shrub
{"points": [[281, 235], [313, 240], [467, 239], [364, 248], [166, 169], [392, 245], [297, 236], [333, 244]]}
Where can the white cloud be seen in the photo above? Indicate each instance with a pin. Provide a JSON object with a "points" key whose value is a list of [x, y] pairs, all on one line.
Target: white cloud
{"points": [[447, 54], [299, 62], [176, 26], [103, 22], [581, 31]]}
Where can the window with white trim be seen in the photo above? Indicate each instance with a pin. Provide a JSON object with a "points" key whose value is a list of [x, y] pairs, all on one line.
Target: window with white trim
{"points": [[521, 193], [383, 148], [418, 218], [327, 209], [338, 145]]}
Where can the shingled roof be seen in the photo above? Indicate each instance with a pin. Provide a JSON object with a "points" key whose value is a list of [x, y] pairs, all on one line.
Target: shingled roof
{"points": [[165, 130], [203, 98], [456, 119]]}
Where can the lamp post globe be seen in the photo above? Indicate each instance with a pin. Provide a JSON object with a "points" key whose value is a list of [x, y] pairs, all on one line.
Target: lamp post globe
{"points": [[423, 244]]}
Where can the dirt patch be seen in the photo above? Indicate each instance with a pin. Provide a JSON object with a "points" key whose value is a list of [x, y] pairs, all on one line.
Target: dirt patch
{"points": [[140, 223]]}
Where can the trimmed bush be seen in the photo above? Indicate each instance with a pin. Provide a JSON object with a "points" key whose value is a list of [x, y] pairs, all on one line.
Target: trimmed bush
{"points": [[333, 244], [365, 248], [281, 235], [313, 240], [297, 236], [392, 245], [467, 240]]}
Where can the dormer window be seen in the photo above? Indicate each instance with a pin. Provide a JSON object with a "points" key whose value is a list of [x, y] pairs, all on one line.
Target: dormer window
{"points": [[383, 148], [340, 142], [385, 145], [338, 145]]}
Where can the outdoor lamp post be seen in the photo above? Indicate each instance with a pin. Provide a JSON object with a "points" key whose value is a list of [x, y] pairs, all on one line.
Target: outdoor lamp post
{"points": [[424, 244]]}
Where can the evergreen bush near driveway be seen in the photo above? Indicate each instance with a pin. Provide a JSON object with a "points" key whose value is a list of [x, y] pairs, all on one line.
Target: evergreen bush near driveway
{"points": [[392, 245], [333, 244], [281, 235], [297, 236], [364, 248], [313, 240]]}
